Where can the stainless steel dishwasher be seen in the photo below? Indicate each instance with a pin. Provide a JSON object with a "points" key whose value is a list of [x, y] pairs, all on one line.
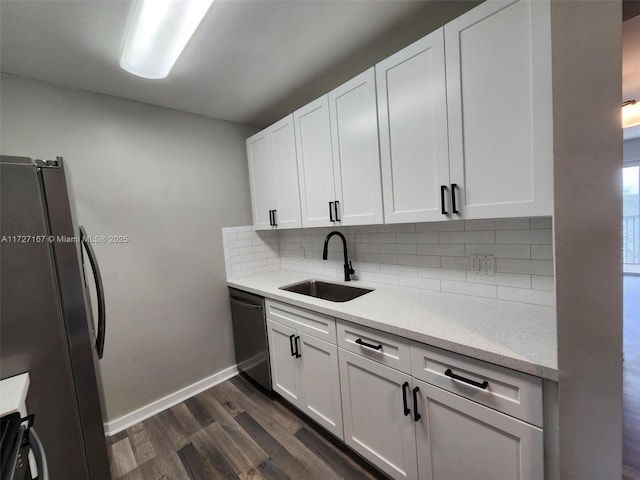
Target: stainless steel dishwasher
{"points": [[250, 336]]}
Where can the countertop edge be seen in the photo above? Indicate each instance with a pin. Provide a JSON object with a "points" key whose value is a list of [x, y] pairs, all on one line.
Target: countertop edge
{"points": [[520, 365]]}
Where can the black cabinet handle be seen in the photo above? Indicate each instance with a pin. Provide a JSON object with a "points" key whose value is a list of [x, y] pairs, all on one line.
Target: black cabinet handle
{"points": [[271, 217], [297, 346], [331, 212], [443, 191], [416, 415], [336, 205], [291, 337], [275, 222], [406, 410], [368, 345], [453, 198], [482, 385]]}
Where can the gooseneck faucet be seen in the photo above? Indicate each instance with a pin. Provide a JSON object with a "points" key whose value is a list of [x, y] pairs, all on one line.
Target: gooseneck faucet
{"points": [[348, 269]]}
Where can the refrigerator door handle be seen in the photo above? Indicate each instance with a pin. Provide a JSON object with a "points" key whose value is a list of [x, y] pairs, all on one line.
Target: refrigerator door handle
{"points": [[38, 454], [99, 291]]}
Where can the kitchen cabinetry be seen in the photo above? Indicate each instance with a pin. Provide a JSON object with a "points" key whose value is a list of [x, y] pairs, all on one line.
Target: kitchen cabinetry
{"points": [[498, 62], [412, 115], [273, 175], [304, 365], [338, 156], [463, 440], [468, 134], [377, 421]]}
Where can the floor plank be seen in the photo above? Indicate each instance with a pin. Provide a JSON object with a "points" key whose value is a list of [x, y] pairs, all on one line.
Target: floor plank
{"points": [[142, 449]]}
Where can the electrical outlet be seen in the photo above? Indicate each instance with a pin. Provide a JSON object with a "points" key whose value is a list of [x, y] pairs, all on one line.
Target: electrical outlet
{"points": [[483, 265]]}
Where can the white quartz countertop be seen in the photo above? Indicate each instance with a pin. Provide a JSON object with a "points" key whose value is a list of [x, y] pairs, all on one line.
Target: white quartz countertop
{"points": [[511, 334]]}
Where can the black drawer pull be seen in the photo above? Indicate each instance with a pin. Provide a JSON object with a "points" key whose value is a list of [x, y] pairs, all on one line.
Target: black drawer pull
{"points": [[298, 355], [443, 191], [406, 410], [336, 205], [368, 345], [275, 221], [293, 353], [482, 385], [453, 199], [416, 415], [331, 212]]}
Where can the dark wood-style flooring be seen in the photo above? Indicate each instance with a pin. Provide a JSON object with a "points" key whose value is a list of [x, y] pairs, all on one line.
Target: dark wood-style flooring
{"points": [[631, 379], [231, 431]]}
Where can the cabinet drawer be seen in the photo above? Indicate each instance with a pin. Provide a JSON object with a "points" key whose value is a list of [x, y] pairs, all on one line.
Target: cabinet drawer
{"points": [[514, 393], [315, 324], [391, 350]]}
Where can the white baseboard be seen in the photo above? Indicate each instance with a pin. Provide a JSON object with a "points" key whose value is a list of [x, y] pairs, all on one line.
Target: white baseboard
{"points": [[157, 406]]}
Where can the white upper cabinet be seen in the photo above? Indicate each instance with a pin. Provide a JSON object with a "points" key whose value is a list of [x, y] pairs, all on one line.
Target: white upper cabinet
{"points": [[356, 158], [273, 173], [498, 61], [315, 163], [338, 157], [412, 115]]}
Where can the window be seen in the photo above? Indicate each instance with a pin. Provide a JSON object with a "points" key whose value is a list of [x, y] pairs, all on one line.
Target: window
{"points": [[631, 215]]}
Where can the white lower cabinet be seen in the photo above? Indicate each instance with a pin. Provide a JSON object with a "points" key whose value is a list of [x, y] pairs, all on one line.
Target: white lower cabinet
{"points": [[376, 422], [304, 370], [458, 439], [469, 420]]}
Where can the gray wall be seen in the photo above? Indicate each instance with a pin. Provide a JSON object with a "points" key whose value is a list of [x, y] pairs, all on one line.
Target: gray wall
{"points": [[587, 64], [168, 180]]}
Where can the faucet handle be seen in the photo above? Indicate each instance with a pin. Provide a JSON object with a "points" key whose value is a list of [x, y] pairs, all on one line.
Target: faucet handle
{"points": [[351, 270]]}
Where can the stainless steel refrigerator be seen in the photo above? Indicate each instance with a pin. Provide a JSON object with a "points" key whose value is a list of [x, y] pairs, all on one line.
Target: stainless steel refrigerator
{"points": [[46, 320]]}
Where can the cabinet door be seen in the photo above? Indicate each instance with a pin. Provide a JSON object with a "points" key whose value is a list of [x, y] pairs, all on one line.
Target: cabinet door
{"points": [[356, 157], [263, 197], [463, 440], [315, 162], [412, 113], [321, 383], [498, 59], [287, 191], [375, 424], [285, 366]]}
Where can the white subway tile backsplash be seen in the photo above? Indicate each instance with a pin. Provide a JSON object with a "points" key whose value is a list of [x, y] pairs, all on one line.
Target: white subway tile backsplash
{"points": [[406, 248], [504, 279], [539, 282], [453, 226], [542, 252], [498, 224], [442, 274], [419, 260], [455, 263], [533, 267], [418, 282], [421, 237], [441, 249], [529, 237], [541, 222], [378, 278], [406, 270], [398, 228], [476, 290], [433, 256], [523, 295], [500, 251], [467, 237]]}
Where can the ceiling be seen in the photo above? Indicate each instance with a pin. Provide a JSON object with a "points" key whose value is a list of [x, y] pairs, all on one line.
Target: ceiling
{"points": [[250, 61]]}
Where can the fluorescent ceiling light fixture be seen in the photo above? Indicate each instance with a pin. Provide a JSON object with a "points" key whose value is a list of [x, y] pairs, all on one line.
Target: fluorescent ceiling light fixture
{"points": [[158, 32], [630, 113]]}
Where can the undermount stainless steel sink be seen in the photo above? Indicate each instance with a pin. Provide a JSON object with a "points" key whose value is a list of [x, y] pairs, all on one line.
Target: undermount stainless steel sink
{"points": [[327, 291]]}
